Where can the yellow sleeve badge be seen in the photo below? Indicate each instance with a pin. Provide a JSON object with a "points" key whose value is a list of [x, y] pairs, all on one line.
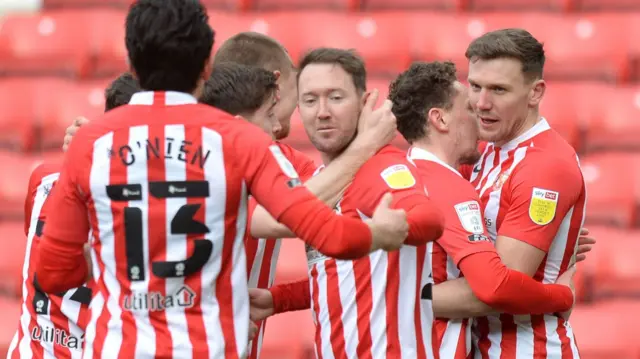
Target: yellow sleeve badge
{"points": [[542, 208], [398, 177]]}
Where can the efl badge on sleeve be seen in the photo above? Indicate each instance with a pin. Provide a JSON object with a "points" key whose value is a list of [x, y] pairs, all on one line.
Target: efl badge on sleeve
{"points": [[470, 216], [543, 206], [398, 177], [285, 165]]}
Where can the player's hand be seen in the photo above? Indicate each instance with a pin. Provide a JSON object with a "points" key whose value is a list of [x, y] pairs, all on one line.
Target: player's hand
{"points": [[566, 279], [376, 126], [585, 245], [261, 304], [389, 226], [72, 130], [253, 330]]}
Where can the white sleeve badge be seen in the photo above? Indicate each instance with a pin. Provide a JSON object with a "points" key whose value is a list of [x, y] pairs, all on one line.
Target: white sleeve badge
{"points": [[398, 177], [470, 216], [285, 165], [542, 208]]}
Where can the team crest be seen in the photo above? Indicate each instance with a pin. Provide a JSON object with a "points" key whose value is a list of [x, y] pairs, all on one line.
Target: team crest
{"points": [[470, 216], [504, 176], [398, 177], [542, 208]]}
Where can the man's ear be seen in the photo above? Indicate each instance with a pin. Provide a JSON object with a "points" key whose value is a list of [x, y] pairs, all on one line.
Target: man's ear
{"points": [[277, 74]]}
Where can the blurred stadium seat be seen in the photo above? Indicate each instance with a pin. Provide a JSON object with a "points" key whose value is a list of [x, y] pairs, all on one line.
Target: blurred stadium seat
{"points": [[16, 170], [519, 5], [285, 340], [606, 5], [18, 115], [271, 5], [295, 267], [14, 243], [440, 5], [612, 194], [10, 311], [615, 336]]}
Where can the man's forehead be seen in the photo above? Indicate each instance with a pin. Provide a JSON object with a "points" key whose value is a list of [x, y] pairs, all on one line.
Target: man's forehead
{"points": [[323, 77], [501, 71]]}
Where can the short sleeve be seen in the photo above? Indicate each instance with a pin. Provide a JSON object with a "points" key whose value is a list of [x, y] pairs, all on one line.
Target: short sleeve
{"points": [[464, 233], [69, 222], [540, 193], [384, 173], [304, 165]]}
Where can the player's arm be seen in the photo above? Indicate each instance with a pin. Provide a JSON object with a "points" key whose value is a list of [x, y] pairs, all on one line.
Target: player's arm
{"points": [[61, 263], [274, 184], [377, 129], [385, 173], [327, 186], [524, 239]]}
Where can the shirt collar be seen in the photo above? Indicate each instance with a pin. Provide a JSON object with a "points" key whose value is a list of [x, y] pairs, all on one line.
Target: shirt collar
{"points": [[416, 153], [170, 98]]}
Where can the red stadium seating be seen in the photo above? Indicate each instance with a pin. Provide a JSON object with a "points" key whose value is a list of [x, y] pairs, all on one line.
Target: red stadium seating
{"points": [[108, 51], [293, 264], [16, 170], [589, 47], [12, 257], [268, 5], [606, 5], [447, 5], [289, 336], [377, 38], [607, 330], [67, 101], [67, 4], [18, 115], [612, 194], [10, 311], [614, 125], [612, 268], [233, 5], [519, 5], [52, 43]]}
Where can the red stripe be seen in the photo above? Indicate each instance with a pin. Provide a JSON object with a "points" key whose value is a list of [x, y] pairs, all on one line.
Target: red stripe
{"points": [[118, 175], [509, 337], [364, 305], [195, 320], [267, 258], [461, 349], [316, 310], [420, 263], [59, 321], [391, 300], [484, 344], [335, 310], [565, 342], [157, 209]]}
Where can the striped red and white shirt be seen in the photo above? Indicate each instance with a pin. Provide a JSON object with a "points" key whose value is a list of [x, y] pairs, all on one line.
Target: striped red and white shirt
{"points": [[262, 253], [531, 189], [165, 182], [371, 307], [51, 326]]}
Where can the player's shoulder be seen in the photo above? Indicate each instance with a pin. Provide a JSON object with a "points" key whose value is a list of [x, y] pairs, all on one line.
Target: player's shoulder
{"points": [[553, 162], [445, 185], [392, 166], [45, 172]]}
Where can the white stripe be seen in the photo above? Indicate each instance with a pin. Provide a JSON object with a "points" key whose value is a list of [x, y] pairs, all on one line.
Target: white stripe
{"points": [[426, 307], [96, 306], [324, 320], [346, 289], [215, 205], [408, 277], [524, 337], [274, 261], [176, 249], [137, 174], [239, 278], [98, 181], [558, 247], [254, 275], [378, 317]]}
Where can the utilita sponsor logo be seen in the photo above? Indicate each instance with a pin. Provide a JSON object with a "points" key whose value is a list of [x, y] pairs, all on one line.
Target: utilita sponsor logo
{"points": [[57, 336], [155, 301]]}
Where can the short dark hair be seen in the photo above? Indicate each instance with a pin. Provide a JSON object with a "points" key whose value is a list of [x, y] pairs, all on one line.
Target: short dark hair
{"points": [[517, 44], [349, 60], [238, 89], [416, 91], [169, 43], [120, 91], [254, 49]]}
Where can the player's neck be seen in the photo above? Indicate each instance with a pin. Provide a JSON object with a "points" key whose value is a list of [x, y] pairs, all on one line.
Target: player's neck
{"points": [[438, 149], [532, 119]]}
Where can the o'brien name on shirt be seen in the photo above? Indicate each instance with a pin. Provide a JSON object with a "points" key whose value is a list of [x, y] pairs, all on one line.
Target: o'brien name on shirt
{"points": [[185, 151]]}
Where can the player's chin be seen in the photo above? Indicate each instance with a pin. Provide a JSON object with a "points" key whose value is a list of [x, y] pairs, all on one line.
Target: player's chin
{"points": [[489, 135]]}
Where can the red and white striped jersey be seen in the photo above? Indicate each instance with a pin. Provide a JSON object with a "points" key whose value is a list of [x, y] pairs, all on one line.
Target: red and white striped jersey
{"points": [[371, 307], [531, 189], [50, 326], [165, 183], [262, 253]]}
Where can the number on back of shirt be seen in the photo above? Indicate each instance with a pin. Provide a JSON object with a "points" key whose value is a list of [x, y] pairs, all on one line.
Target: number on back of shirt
{"points": [[183, 222]]}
